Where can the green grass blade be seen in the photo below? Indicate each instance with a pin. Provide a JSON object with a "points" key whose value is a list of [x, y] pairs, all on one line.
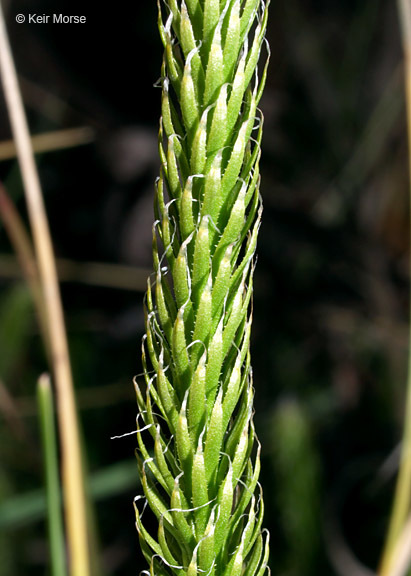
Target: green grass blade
{"points": [[49, 441]]}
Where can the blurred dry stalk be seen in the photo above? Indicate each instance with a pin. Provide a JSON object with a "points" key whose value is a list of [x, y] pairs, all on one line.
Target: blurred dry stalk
{"points": [[396, 558], [72, 468], [50, 141], [93, 273], [23, 248], [102, 274], [401, 556], [11, 412]]}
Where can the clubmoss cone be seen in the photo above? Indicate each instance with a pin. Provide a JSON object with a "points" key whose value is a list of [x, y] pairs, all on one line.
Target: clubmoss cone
{"points": [[197, 451]]}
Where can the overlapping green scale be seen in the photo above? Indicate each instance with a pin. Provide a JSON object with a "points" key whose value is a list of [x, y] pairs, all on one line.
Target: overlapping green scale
{"points": [[197, 452]]}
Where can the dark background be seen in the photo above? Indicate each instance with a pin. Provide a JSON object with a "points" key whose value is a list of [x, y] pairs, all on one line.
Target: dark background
{"points": [[330, 333]]}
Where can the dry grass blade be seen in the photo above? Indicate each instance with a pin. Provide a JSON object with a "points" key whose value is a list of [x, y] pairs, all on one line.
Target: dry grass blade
{"points": [[69, 434], [50, 141]]}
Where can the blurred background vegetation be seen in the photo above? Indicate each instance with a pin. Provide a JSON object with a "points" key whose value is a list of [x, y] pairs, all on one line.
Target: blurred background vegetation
{"points": [[331, 288]]}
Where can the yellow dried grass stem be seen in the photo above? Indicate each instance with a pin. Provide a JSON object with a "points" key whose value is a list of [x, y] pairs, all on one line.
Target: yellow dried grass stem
{"points": [[72, 469], [402, 498]]}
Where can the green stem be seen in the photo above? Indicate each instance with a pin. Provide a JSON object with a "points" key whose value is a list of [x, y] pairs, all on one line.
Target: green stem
{"points": [[48, 437]]}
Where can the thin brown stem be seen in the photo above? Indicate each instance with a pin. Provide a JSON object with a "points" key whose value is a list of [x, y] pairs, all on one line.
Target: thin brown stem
{"points": [[23, 248]]}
